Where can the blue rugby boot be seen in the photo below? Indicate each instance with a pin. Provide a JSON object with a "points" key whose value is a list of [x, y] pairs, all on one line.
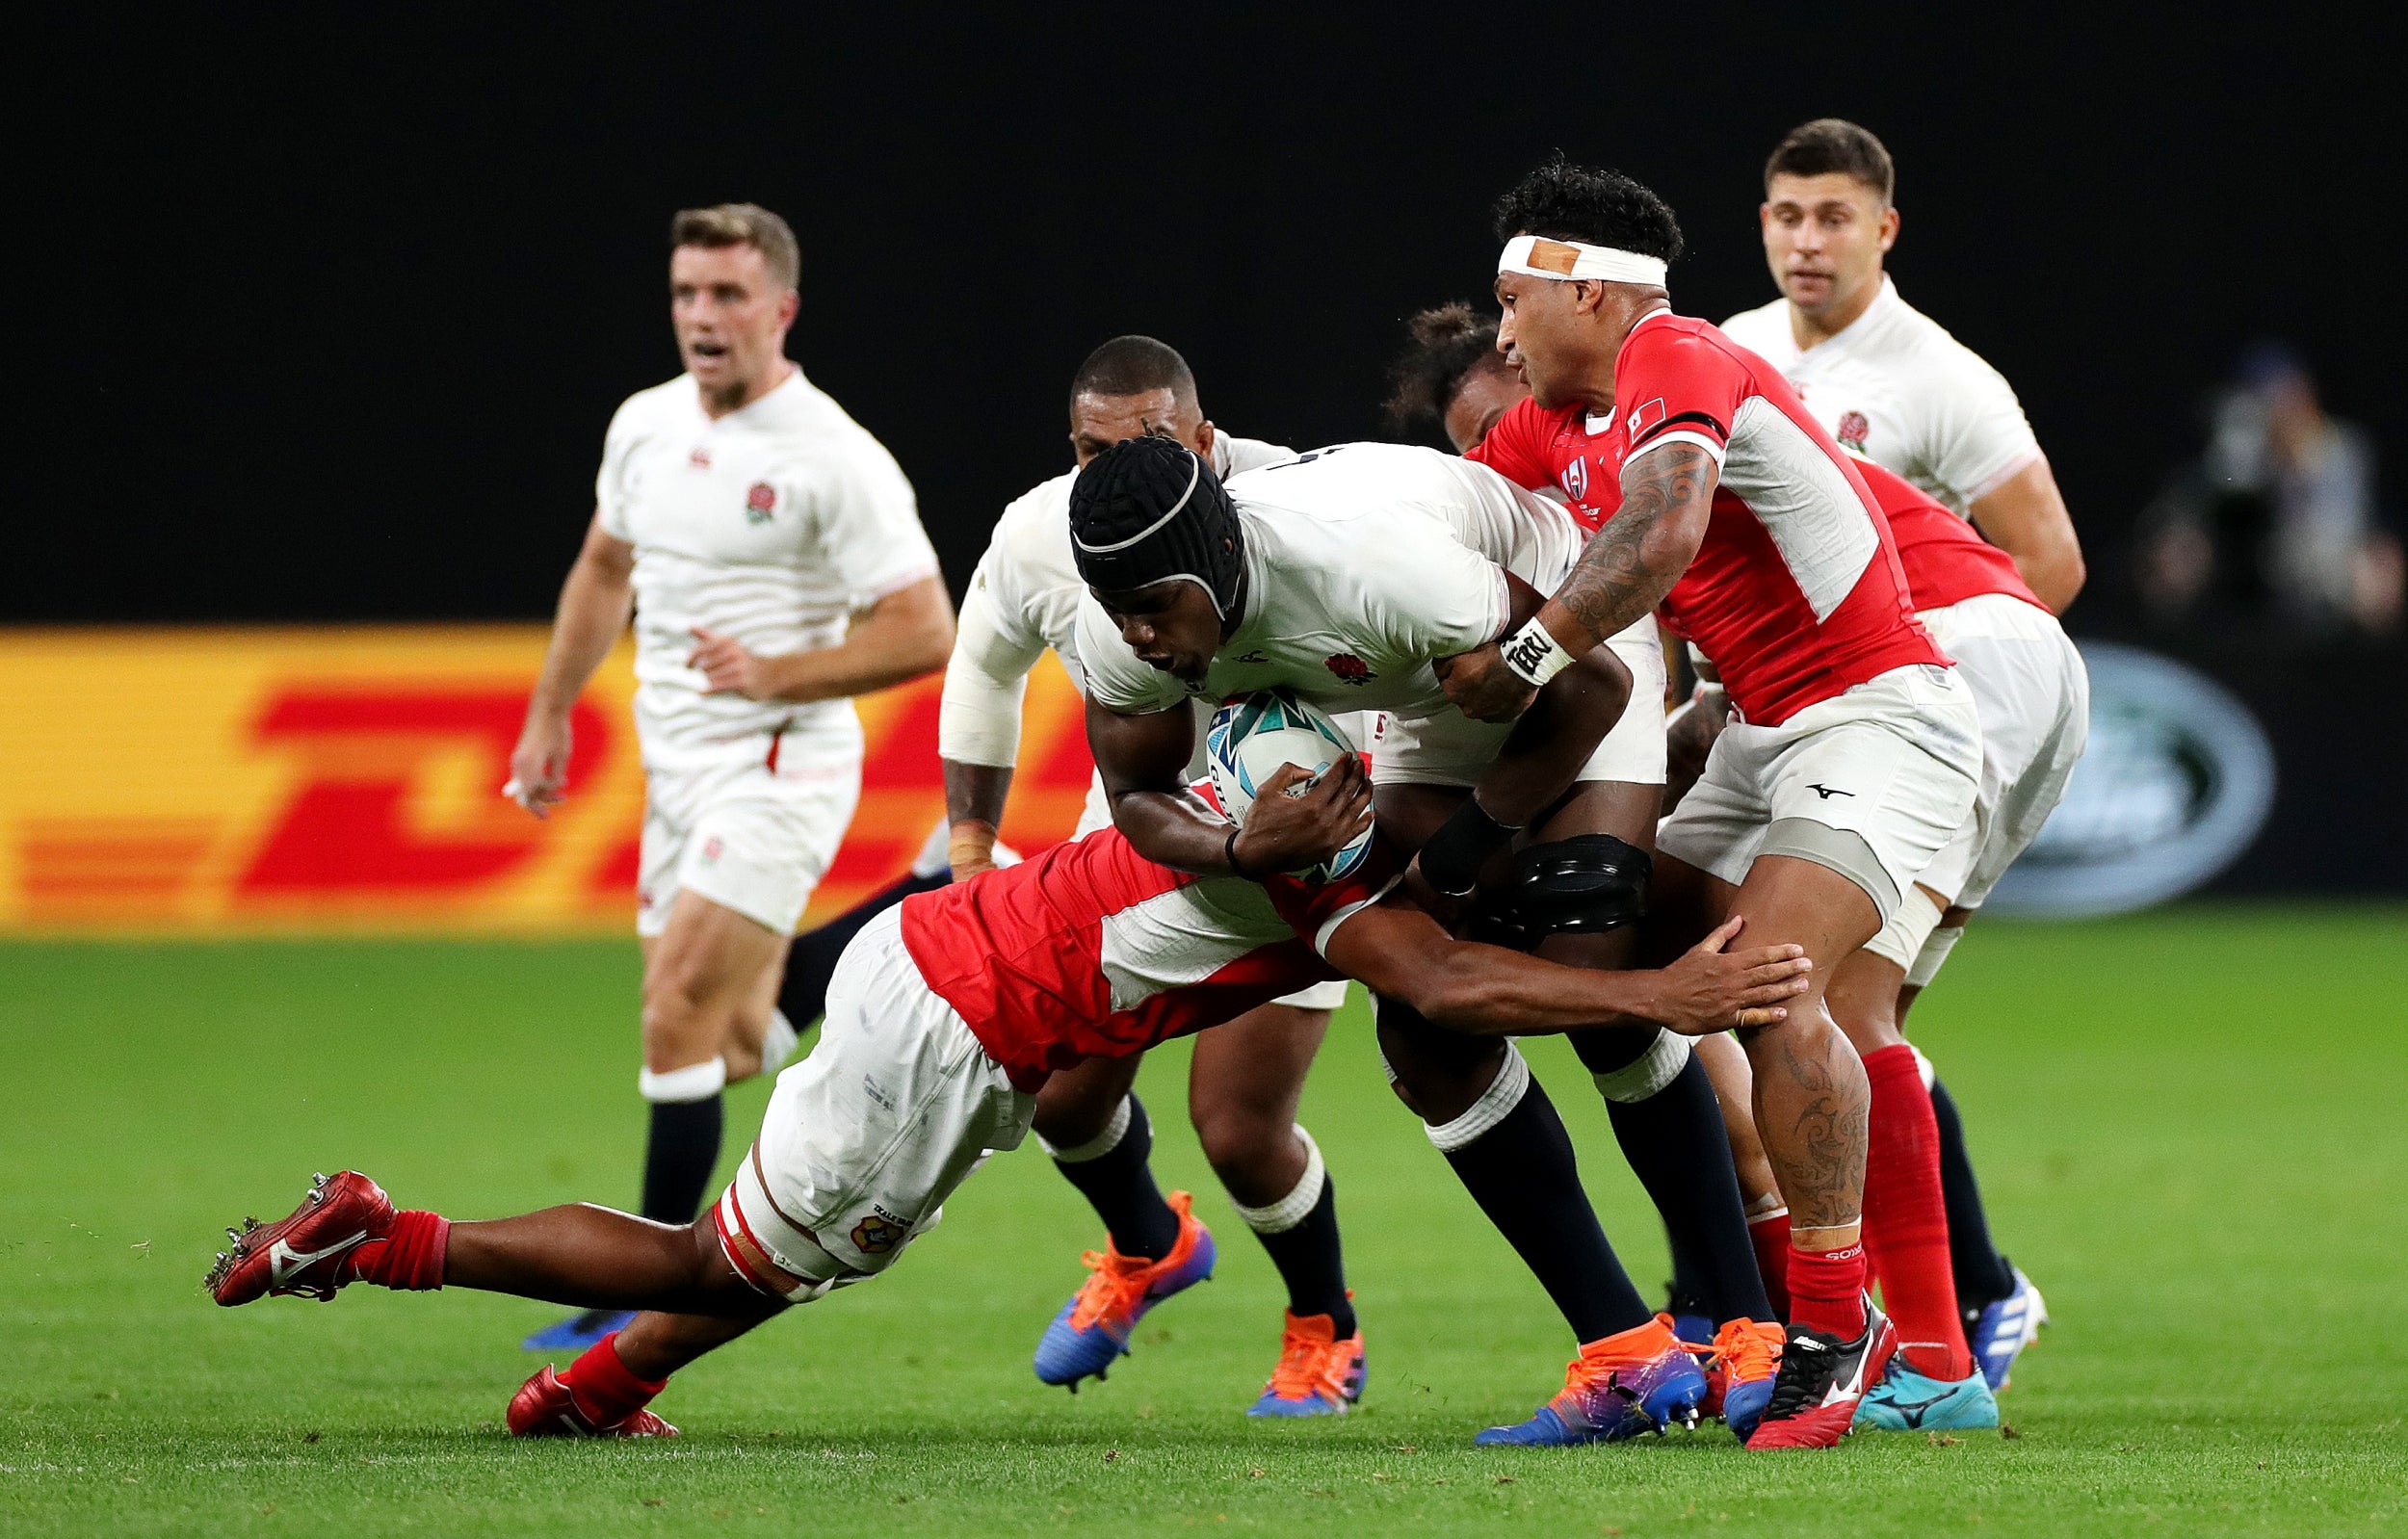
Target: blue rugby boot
{"points": [[1318, 1373], [1908, 1401], [1642, 1380], [578, 1331], [1093, 1330], [1998, 1332]]}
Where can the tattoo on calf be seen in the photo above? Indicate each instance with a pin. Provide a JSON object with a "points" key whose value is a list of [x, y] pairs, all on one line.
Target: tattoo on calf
{"points": [[1823, 1165]]}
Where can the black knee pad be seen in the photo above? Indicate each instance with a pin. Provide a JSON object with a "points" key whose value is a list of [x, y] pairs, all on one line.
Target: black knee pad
{"points": [[1584, 885]]}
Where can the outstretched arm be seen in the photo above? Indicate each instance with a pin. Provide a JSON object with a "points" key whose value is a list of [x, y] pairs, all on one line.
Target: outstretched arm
{"points": [[1629, 567], [1399, 951]]}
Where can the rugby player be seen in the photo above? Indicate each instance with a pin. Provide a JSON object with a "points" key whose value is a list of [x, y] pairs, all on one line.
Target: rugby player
{"points": [[1857, 750], [947, 1015], [1891, 384], [1349, 575], [1247, 1077], [770, 553], [2033, 694]]}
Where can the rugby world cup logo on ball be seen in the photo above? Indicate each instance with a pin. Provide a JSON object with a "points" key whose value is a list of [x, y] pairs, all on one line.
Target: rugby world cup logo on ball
{"points": [[1252, 735]]}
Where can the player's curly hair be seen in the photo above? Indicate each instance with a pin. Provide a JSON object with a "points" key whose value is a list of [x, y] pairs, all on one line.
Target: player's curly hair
{"points": [[1567, 202], [1446, 342]]}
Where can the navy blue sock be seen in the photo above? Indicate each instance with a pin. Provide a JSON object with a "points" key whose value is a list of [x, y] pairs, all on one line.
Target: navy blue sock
{"points": [[1982, 1275], [1118, 1184]]}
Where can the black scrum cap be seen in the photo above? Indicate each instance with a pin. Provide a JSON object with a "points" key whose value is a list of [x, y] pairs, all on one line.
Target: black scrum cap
{"points": [[1150, 511]]}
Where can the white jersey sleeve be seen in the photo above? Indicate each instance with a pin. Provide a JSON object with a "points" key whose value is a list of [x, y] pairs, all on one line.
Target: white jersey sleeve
{"points": [[610, 483], [866, 523], [1973, 433], [995, 646]]}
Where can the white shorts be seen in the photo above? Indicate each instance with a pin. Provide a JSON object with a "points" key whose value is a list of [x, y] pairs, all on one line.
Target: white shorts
{"points": [[1452, 750], [1873, 783], [2033, 696], [864, 1140], [747, 836]]}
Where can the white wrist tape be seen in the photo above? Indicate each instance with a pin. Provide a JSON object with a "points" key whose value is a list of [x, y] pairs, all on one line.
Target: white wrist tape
{"points": [[1534, 656]]}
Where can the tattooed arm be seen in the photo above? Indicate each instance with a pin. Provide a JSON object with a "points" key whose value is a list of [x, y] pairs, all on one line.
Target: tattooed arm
{"points": [[1667, 496]]}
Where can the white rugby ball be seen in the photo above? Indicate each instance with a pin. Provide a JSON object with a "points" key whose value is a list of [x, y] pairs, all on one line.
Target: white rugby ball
{"points": [[1253, 735]]}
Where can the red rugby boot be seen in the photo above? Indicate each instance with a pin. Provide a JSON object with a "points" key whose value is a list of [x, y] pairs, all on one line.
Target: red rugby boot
{"points": [[546, 1407], [1820, 1381], [309, 1252]]}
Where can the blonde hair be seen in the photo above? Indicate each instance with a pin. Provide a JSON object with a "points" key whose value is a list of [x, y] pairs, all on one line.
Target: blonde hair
{"points": [[725, 225]]}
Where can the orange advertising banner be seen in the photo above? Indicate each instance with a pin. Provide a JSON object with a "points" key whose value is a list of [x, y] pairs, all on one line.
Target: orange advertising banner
{"points": [[348, 779]]}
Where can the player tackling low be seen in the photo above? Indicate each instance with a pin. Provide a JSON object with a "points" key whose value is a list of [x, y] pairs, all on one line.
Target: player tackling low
{"points": [[1855, 751], [773, 557], [946, 1017]]}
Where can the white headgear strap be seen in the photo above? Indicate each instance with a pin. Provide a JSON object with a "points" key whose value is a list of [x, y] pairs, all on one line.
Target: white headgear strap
{"points": [[1543, 258]]}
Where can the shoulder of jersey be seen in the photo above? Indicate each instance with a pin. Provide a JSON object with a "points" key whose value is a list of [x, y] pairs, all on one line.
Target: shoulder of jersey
{"points": [[669, 395], [1254, 453], [1916, 340], [1750, 327]]}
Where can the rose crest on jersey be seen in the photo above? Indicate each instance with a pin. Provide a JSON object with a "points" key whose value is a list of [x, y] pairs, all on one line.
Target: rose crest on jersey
{"points": [[1350, 668], [1853, 431], [760, 503]]}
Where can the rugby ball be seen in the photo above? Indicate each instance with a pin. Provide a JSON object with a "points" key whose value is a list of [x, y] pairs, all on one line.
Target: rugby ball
{"points": [[1251, 736]]}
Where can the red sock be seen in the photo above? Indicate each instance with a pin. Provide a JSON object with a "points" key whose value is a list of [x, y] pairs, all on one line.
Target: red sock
{"points": [[411, 1257], [1827, 1291], [606, 1391], [1906, 1219], [1771, 1237]]}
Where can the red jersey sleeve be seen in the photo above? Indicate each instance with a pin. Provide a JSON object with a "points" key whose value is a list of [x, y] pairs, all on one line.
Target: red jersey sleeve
{"points": [[1671, 387], [1516, 447], [1316, 909]]}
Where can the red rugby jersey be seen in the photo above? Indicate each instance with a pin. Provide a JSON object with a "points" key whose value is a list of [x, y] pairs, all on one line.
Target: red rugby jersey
{"points": [[1946, 561], [1092, 951], [1795, 593]]}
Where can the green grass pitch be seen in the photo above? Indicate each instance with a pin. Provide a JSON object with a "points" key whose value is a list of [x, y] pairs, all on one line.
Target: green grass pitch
{"points": [[2193, 1129]]}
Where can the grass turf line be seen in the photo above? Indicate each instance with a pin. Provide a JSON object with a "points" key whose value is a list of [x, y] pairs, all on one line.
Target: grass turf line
{"points": [[2187, 1124]]}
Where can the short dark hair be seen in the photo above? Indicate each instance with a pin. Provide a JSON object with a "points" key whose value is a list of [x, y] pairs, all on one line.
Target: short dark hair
{"points": [[1567, 202], [1132, 366], [725, 225], [1829, 144], [1446, 342]]}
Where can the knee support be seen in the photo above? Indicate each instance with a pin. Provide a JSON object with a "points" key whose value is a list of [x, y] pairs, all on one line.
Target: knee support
{"points": [[1584, 885]]}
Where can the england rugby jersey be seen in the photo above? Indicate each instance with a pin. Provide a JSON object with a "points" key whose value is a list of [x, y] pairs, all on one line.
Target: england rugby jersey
{"points": [[1363, 563], [1023, 598], [1091, 951], [773, 524], [1898, 389], [1797, 593]]}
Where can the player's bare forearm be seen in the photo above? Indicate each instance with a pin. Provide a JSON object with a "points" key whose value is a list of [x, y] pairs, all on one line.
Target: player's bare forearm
{"points": [[904, 636], [1143, 760], [596, 601], [1556, 736], [1629, 567], [976, 793], [1400, 952], [2025, 516]]}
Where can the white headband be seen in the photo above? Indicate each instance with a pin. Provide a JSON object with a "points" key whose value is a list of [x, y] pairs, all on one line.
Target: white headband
{"points": [[1543, 258]]}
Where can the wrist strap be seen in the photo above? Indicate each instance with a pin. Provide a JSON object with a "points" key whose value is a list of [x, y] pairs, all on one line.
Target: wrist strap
{"points": [[1535, 655], [1229, 853]]}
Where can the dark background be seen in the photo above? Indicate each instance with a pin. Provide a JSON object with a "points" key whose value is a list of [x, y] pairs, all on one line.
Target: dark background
{"points": [[330, 309]]}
